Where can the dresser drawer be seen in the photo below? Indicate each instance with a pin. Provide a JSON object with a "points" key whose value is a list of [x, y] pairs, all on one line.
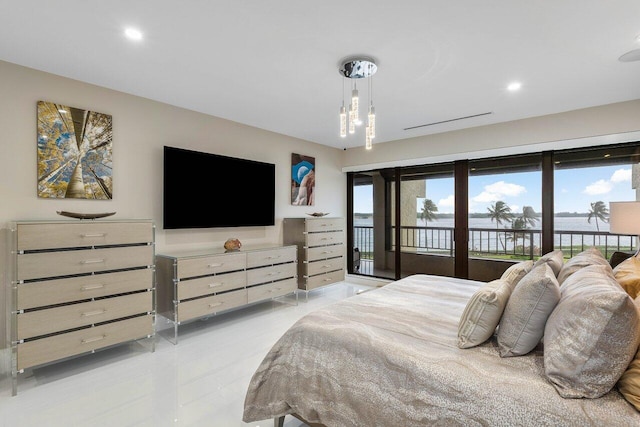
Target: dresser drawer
{"points": [[37, 352], [271, 256], [211, 305], [62, 318], [325, 224], [192, 288], [324, 252], [324, 266], [321, 239], [272, 290], [82, 234], [269, 274], [52, 264], [50, 292], [324, 279], [202, 266]]}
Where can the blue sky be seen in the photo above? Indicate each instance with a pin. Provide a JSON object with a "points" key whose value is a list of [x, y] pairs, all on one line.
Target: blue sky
{"points": [[575, 190]]}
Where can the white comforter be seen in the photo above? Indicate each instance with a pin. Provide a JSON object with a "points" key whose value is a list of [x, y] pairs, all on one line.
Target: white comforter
{"points": [[389, 357]]}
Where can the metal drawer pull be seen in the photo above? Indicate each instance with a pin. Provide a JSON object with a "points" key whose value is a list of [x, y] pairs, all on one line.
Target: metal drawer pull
{"points": [[274, 290], [216, 304], [326, 266], [93, 313], [273, 273], [219, 264], [91, 287], [94, 235], [273, 257], [92, 261], [94, 339], [326, 280], [327, 252], [215, 285]]}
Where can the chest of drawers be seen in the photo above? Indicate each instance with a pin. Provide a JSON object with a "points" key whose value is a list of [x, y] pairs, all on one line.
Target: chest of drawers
{"points": [[320, 243], [78, 287], [194, 285]]}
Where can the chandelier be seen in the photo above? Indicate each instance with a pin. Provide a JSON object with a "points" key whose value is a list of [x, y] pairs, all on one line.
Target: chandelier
{"points": [[353, 70]]}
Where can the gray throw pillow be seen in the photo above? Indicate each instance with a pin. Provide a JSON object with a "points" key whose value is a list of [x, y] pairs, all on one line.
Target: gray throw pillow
{"points": [[555, 259], [522, 324], [482, 313], [516, 272], [591, 336], [591, 256]]}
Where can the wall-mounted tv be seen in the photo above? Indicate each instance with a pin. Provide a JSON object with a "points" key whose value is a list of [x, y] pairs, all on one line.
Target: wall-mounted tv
{"points": [[204, 190]]}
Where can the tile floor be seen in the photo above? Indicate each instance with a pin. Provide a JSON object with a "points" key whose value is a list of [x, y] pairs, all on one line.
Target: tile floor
{"points": [[202, 381]]}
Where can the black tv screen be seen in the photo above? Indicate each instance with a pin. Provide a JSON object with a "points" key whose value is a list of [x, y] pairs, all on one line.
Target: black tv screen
{"points": [[204, 190]]}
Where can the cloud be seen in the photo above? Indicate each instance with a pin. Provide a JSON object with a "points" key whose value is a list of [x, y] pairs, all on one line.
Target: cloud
{"points": [[447, 204], [621, 175], [498, 191], [599, 187]]}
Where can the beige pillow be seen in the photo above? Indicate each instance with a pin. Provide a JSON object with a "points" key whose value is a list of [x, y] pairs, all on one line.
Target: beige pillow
{"points": [[629, 383], [522, 323], [591, 256], [627, 274], [591, 336], [554, 259], [514, 273], [482, 313]]}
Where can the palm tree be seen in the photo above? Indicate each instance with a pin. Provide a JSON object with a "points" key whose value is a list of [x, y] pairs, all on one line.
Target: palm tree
{"points": [[428, 211], [500, 212], [523, 222], [598, 211]]}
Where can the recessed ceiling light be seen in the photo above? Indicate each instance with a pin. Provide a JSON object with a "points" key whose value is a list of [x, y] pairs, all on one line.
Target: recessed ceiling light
{"points": [[514, 86], [133, 34]]}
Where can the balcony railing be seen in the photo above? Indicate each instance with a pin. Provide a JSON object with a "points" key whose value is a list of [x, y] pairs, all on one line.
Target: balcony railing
{"points": [[492, 243]]}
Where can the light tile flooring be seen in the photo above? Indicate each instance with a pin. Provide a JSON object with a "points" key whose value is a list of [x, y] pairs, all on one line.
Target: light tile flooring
{"points": [[202, 381]]}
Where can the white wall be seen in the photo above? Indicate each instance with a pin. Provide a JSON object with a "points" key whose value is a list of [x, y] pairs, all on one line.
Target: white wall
{"points": [[607, 124], [141, 128]]}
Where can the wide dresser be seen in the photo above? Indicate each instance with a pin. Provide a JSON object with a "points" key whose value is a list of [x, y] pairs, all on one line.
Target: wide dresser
{"points": [[198, 284], [320, 243], [77, 287]]}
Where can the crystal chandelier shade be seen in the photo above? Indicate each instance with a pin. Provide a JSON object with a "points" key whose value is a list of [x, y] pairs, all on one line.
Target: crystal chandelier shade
{"points": [[355, 69]]}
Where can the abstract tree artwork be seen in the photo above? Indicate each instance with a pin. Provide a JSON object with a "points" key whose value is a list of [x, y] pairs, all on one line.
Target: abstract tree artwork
{"points": [[74, 153]]}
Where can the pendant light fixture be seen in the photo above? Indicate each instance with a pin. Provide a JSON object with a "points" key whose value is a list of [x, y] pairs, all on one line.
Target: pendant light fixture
{"points": [[354, 69]]}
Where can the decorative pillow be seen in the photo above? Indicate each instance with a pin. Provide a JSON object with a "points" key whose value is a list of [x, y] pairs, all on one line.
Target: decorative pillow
{"points": [[629, 383], [627, 274], [522, 323], [591, 336], [554, 259], [514, 273], [482, 313], [591, 256]]}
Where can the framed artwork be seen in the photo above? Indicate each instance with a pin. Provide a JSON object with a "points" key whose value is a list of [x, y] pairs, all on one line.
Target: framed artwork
{"points": [[303, 180], [74, 153]]}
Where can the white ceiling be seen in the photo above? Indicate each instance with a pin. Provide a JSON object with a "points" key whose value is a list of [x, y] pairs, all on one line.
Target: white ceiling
{"points": [[274, 64]]}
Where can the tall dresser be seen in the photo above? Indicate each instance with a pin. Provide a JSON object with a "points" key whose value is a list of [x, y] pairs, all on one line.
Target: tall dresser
{"points": [[77, 287], [321, 245]]}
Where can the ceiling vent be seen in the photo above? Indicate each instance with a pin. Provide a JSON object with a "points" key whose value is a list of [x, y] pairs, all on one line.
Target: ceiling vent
{"points": [[448, 121]]}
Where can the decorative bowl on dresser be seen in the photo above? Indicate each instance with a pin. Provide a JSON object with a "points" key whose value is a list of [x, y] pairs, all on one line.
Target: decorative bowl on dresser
{"points": [[77, 287], [198, 284]]}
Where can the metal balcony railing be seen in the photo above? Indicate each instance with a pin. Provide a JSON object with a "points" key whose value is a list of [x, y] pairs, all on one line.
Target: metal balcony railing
{"points": [[491, 242]]}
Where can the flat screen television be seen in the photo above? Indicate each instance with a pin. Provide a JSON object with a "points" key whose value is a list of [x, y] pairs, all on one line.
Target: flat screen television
{"points": [[204, 190]]}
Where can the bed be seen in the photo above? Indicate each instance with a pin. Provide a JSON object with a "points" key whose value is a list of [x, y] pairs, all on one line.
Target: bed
{"points": [[390, 357]]}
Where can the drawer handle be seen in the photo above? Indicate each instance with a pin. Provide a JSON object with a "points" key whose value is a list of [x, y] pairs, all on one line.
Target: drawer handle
{"points": [[218, 264], [93, 313], [326, 266], [94, 235], [94, 339], [273, 273], [326, 280], [215, 285], [273, 257], [327, 252], [217, 304], [92, 261], [274, 290], [91, 287]]}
